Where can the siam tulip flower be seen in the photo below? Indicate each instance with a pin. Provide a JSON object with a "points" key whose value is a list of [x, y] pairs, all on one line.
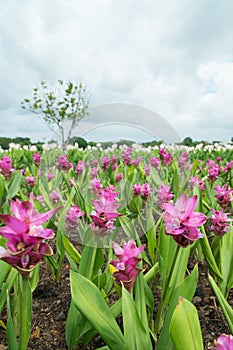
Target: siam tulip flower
{"points": [[105, 163], [127, 155], [96, 186], [50, 176], [95, 162], [72, 217], [31, 181], [136, 190], [165, 156], [119, 177], [79, 167], [183, 161], [6, 168], [25, 235], [63, 163], [155, 162], [219, 222], [55, 197], [194, 180], [36, 159], [126, 269], [40, 199], [147, 169], [214, 170], [114, 160], [228, 166], [94, 172], [181, 220], [136, 161], [105, 211], [145, 191], [163, 195], [224, 342], [224, 196]]}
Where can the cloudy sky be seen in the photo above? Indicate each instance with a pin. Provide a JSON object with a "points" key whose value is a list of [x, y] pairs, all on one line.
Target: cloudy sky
{"points": [[172, 57]]}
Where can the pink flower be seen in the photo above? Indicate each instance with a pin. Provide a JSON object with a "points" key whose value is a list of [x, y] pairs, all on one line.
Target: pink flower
{"points": [[163, 195], [136, 190], [127, 155], [105, 211], [63, 163], [50, 176], [72, 217], [96, 186], [126, 266], [183, 161], [224, 342], [25, 235], [194, 180], [119, 177], [228, 166], [6, 168], [147, 169], [219, 222], [145, 191], [181, 220], [224, 196], [105, 163], [155, 162], [55, 197], [165, 156], [36, 159], [31, 180], [79, 167]]}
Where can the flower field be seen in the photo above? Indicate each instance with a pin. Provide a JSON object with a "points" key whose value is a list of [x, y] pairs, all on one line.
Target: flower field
{"points": [[126, 222]]}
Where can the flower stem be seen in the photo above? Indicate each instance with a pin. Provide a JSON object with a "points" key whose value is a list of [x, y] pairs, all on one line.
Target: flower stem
{"points": [[25, 301]]}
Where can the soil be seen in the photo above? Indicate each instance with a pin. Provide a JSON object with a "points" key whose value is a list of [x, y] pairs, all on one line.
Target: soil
{"points": [[51, 303]]}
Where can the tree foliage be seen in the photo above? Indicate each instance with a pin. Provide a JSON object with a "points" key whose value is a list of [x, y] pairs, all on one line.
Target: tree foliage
{"points": [[58, 104]]}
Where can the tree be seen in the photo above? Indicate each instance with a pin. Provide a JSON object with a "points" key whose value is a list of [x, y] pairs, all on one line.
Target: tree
{"points": [[61, 103]]}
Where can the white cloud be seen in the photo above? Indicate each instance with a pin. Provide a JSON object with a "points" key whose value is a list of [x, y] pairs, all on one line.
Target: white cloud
{"points": [[172, 57]]}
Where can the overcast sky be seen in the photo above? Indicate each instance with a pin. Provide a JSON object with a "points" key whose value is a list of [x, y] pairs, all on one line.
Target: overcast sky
{"points": [[172, 57]]}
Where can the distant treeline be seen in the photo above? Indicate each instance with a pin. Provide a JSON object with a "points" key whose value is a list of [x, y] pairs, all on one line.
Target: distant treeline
{"points": [[26, 141]]}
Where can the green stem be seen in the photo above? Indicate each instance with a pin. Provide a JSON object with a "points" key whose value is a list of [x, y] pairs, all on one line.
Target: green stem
{"points": [[24, 322], [166, 293]]}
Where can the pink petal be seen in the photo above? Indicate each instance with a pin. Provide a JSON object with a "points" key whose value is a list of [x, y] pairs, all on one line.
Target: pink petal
{"points": [[15, 224], [39, 219]]}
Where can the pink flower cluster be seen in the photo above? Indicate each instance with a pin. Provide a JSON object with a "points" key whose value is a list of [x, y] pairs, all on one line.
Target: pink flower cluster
{"points": [[224, 342], [105, 211], [219, 222], [163, 195], [181, 221], [143, 190], [224, 196], [165, 156], [63, 163], [25, 235], [72, 218], [6, 168], [126, 269]]}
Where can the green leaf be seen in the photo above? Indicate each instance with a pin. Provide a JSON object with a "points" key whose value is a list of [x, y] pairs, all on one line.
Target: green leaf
{"points": [[7, 286], [186, 289], [209, 257], [89, 300], [71, 250], [226, 262], [10, 329], [185, 327], [15, 184], [135, 334], [226, 308]]}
